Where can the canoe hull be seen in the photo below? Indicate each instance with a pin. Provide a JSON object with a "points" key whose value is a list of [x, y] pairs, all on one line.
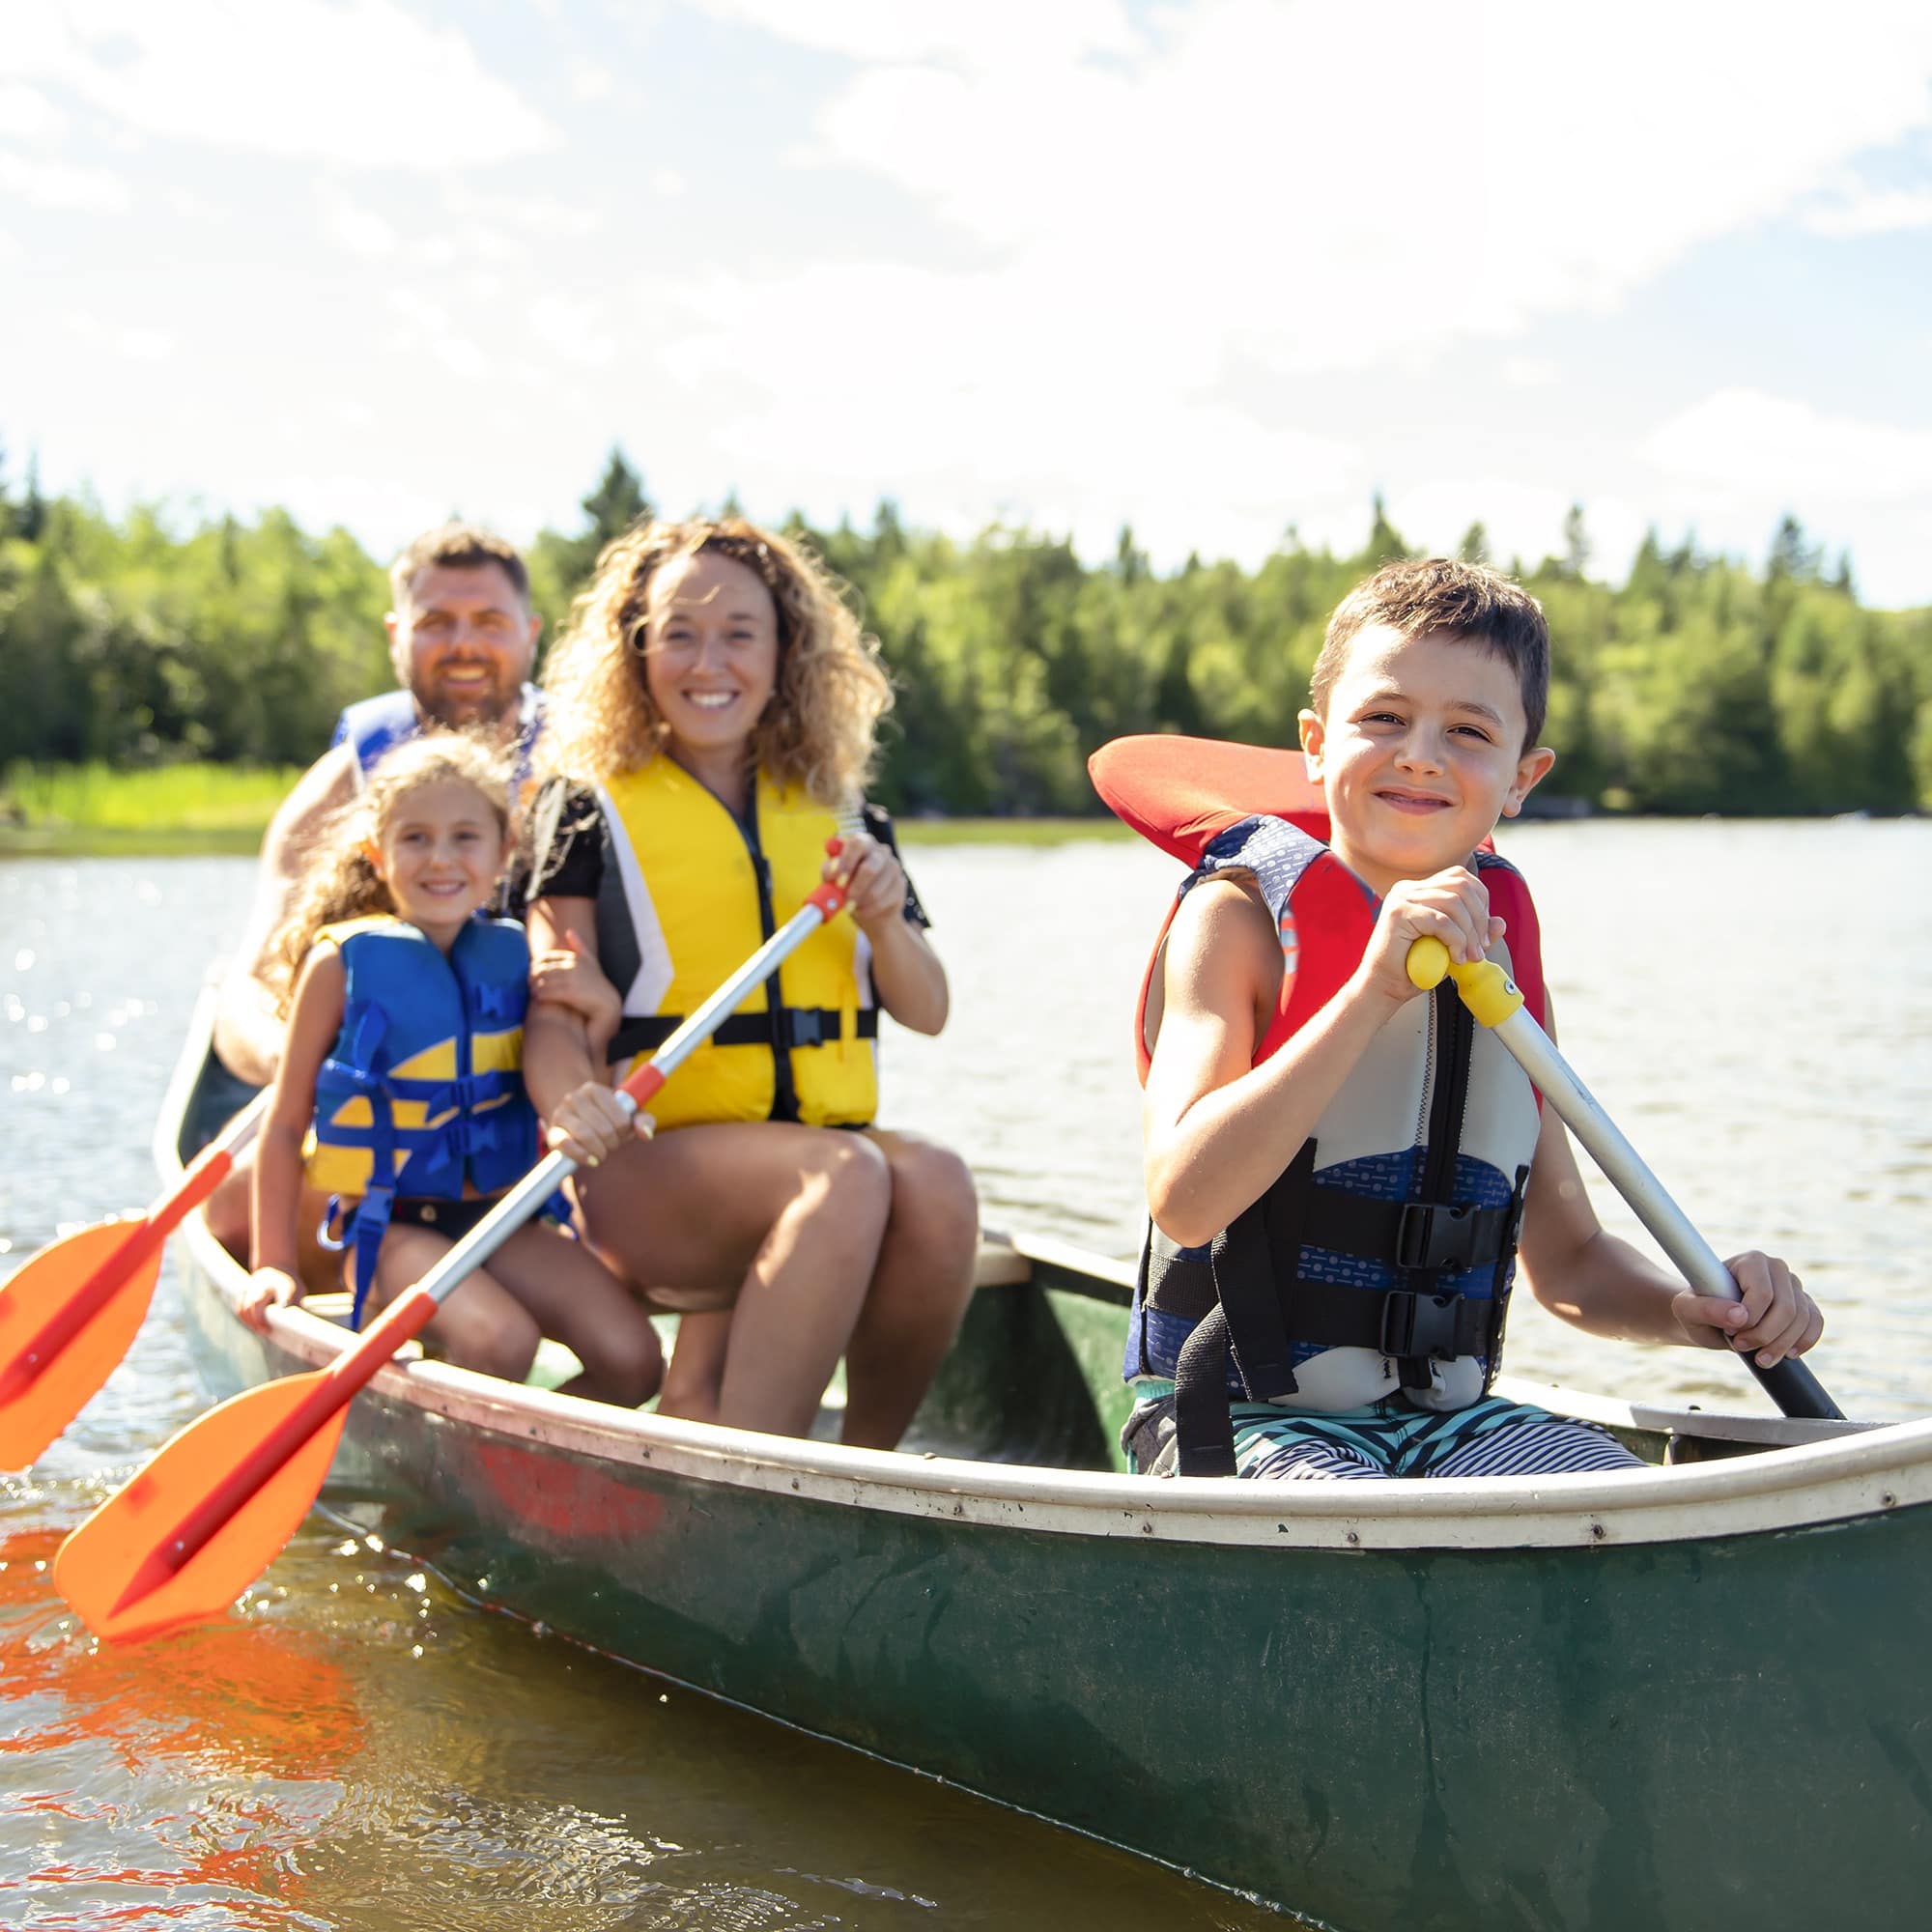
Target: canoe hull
{"points": [[1566, 1737], [1564, 1718]]}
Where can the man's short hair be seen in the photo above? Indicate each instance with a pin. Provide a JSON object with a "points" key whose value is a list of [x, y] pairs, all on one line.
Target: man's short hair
{"points": [[458, 547], [1441, 593]]}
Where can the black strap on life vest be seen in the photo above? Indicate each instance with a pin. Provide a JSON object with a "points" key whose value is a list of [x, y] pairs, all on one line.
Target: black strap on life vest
{"points": [[799, 1026], [1254, 1302]]}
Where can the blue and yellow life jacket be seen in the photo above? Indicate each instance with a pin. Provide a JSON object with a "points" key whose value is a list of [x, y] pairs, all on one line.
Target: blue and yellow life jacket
{"points": [[690, 892], [422, 1094]]}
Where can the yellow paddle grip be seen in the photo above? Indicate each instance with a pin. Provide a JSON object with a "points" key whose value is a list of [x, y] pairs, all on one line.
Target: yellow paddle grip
{"points": [[1488, 991]]}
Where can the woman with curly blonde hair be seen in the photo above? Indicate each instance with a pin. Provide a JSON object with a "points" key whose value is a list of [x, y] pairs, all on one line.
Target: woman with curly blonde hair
{"points": [[712, 706]]}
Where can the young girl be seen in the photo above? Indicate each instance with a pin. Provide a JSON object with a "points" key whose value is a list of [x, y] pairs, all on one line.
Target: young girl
{"points": [[400, 1090]]}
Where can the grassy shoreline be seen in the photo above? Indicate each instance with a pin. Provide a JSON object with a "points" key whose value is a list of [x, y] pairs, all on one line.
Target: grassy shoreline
{"points": [[76, 811]]}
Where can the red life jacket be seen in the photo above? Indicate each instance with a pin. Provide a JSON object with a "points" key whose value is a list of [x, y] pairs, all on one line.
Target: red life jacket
{"points": [[1382, 1255]]}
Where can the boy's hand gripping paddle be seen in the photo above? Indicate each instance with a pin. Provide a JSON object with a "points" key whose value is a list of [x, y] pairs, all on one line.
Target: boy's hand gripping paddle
{"points": [[70, 1313], [1493, 1001], [188, 1534]]}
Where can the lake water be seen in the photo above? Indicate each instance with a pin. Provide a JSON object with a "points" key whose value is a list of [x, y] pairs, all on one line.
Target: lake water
{"points": [[366, 1751]]}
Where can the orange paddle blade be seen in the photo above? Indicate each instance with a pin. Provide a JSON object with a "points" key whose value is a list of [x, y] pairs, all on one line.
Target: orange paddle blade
{"points": [[115, 1569], [48, 1376]]}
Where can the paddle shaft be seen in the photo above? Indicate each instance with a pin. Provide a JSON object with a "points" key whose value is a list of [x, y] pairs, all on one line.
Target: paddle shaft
{"points": [[334, 1386], [199, 1180], [1790, 1383]]}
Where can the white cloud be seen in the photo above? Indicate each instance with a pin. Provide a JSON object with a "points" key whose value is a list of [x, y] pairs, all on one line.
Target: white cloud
{"points": [[573, 330], [1868, 210], [28, 116], [1530, 372], [360, 83], [1519, 519], [987, 33], [61, 187], [1145, 250], [1785, 452], [359, 231], [666, 182], [127, 342], [427, 326], [537, 215], [591, 83], [192, 207], [973, 410], [1235, 184]]}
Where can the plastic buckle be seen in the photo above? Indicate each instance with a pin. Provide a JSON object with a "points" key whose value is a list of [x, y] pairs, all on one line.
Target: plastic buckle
{"points": [[805, 1026], [1431, 1235], [1419, 1324]]}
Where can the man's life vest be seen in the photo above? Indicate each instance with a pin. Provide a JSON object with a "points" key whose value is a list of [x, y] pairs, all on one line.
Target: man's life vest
{"points": [[377, 724], [1381, 1258], [422, 1094], [690, 891]]}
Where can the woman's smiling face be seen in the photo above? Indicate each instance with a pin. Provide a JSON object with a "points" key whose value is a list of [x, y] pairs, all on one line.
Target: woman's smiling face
{"points": [[711, 652]]}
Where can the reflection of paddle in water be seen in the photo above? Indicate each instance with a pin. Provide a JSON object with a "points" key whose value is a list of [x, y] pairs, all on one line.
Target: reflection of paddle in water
{"points": [[192, 1768], [247, 1698]]}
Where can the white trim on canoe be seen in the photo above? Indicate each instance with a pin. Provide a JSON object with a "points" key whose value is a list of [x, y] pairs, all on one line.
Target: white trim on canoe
{"points": [[1864, 1472], [1810, 1472]]}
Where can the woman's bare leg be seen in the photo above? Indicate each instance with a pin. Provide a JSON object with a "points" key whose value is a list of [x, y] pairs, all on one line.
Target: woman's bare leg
{"points": [[696, 1377], [919, 1291], [786, 1219]]}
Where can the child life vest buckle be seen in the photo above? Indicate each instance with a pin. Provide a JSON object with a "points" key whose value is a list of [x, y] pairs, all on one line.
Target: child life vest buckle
{"points": [[1422, 1326], [1431, 1235]]}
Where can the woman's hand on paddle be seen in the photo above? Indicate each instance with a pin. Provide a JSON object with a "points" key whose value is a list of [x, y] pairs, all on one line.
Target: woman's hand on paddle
{"points": [[268, 1288], [873, 879], [1452, 906], [1775, 1318], [567, 976], [590, 1124]]}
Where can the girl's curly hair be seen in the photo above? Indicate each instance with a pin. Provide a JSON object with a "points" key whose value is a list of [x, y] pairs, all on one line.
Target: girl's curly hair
{"points": [[817, 730], [340, 882]]}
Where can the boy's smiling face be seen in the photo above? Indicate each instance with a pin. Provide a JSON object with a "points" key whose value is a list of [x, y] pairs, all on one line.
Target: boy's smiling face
{"points": [[1421, 752]]}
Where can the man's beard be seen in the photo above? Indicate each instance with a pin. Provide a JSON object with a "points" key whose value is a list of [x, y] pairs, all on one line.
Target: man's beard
{"points": [[495, 703]]}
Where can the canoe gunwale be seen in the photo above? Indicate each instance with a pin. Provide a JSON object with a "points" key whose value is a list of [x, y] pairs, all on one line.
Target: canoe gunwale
{"points": [[1872, 1470], [1847, 1472]]}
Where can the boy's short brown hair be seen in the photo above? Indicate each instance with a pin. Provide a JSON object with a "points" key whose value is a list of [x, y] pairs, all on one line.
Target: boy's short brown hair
{"points": [[459, 547], [1442, 593]]}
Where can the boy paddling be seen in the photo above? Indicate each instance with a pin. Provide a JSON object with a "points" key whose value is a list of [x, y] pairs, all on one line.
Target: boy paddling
{"points": [[1343, 1176]]}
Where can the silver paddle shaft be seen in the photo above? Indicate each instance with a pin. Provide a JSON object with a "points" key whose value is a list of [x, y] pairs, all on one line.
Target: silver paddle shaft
{"points": [[1549, 1073]]}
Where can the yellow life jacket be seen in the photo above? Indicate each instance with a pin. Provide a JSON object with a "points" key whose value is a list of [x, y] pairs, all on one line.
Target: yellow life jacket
{"points": [[690, 892]]}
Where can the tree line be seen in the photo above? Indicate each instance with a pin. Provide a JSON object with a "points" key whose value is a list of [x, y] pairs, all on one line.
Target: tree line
{"points": [[1700, 683]]}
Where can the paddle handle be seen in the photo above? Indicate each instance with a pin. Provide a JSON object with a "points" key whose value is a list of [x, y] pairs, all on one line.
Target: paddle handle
{"points": [[1494, 999]]}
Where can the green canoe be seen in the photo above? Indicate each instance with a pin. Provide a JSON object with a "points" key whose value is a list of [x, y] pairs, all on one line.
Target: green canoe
{"points": [[1694, 1696]]}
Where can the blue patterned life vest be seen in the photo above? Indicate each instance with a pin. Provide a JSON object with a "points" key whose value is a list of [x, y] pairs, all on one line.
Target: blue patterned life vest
{"points": [[422, 1094], [376, 725]]}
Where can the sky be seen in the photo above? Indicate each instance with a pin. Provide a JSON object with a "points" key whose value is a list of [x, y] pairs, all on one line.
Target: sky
{"points": [[1211, 269]]}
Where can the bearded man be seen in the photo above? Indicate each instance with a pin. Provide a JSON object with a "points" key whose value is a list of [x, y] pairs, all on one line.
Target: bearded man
{"points": [[462, 640]]}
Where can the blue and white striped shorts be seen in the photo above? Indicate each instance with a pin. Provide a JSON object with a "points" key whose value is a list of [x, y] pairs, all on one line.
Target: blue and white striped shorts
{"points": [[1491, 1438]]}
